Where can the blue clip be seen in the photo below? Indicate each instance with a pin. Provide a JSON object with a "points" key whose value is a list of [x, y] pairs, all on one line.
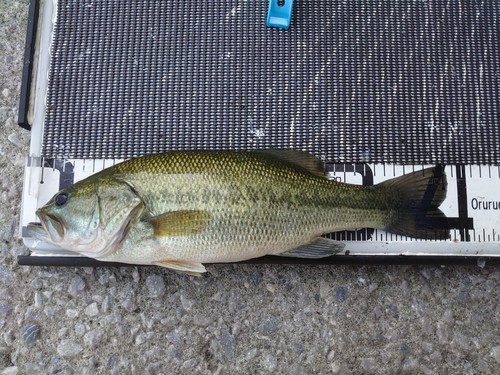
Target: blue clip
{"points": [[279, 13]]}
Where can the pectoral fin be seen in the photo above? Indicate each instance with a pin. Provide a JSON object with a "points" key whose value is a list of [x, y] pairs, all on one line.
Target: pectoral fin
{"points": [[319, 248], [179, 223], [191, 268]]}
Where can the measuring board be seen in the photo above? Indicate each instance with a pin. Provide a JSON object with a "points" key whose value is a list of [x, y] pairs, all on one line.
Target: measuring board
{"points": [[375, 89], [472, 206]]}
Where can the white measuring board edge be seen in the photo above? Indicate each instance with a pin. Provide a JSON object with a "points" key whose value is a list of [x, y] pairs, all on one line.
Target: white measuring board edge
{"points": [[472, 206]]}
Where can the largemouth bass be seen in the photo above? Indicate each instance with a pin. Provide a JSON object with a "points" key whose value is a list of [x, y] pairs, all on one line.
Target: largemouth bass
{"points": [[182, 209]]}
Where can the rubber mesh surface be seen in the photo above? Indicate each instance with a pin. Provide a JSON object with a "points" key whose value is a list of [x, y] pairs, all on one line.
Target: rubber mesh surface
{"points": [[350, 81]]}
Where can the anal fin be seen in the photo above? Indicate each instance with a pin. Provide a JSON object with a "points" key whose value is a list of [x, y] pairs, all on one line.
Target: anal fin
{"points": [[191, 268], [317, 249]]}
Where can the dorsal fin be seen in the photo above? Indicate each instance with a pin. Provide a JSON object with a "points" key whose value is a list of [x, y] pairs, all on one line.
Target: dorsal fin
{"points": [[300, 158]]}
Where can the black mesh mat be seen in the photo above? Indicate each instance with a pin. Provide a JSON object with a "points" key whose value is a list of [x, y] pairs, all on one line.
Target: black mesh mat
{"points": [[351, 81]]}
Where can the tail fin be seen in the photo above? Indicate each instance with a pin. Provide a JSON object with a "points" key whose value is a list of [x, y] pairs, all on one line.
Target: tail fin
{"points": [[419, 194]]}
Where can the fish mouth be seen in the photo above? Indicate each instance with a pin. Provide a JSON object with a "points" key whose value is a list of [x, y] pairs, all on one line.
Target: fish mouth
{"points": [[50, 228], [36, 230]]}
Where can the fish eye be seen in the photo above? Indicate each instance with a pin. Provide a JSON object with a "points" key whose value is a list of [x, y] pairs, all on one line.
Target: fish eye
{"points": [[61, 199]]}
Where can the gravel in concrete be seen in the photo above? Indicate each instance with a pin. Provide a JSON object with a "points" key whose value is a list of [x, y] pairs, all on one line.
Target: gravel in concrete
{"points": [[236, 319]]}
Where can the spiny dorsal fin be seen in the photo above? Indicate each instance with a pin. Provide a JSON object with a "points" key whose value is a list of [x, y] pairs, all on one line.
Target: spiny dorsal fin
{"points": [[300, 158], [179, 223], [191, 268]]}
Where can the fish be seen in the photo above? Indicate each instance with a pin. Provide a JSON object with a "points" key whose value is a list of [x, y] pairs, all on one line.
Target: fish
{"points": [[183, 209]]}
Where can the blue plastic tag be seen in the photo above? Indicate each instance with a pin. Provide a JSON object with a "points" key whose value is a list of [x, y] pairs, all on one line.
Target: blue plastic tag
{"points": [[279, 13]]}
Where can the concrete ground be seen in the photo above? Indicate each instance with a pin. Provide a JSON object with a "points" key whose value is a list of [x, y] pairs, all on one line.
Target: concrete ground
{"points": [[238, 318]]}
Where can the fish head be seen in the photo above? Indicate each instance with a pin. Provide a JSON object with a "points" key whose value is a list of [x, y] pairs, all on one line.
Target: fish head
{"points": [[89, 218]]}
